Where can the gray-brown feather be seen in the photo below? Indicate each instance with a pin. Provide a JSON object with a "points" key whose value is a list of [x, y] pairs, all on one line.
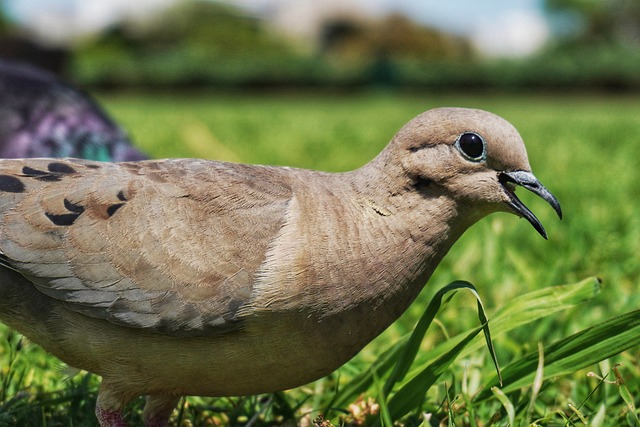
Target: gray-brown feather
{"points": [[107, 239]]}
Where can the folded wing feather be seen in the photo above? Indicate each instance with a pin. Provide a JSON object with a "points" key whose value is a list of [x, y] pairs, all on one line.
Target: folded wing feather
{"points": [[170, 246]]}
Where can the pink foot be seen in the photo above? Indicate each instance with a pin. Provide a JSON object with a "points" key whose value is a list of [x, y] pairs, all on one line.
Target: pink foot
{"points": [[109, 418]]}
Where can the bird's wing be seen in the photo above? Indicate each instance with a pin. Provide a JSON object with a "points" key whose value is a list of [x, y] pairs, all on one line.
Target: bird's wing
{"points": [[42, 116], [169, 246]]}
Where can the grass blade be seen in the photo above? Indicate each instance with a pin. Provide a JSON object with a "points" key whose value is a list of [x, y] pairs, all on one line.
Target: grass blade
{"points": [[537, 383], [577, 351], [520, 310], [412, 347], [410, 395], [401, 355], [506, 404], [385, 417], [625, 394]]}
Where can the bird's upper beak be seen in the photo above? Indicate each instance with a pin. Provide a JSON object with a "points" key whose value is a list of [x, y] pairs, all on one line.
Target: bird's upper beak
{"points": [[531, 183]]}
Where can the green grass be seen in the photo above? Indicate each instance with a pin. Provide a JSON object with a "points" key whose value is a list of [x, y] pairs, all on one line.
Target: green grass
{"points": [[585, 149]]}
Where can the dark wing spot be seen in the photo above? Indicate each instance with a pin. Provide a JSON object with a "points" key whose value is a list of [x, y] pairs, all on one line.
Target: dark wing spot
{"points": [[11, 184], [121, 196], [69, 218], [113, 208], [93, 166], [62, 219], [73, 207], [58, 167], [33, 172], [40, 175]]}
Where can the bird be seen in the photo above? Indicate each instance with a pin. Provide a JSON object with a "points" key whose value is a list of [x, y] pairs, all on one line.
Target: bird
{"points": [[43, 116], [198, 277]]}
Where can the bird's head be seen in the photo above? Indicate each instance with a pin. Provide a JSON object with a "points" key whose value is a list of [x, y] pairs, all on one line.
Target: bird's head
{"points": [[476, 157]]}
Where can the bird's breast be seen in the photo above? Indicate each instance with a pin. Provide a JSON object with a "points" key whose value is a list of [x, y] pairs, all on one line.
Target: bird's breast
{"points": [[339, 262]]}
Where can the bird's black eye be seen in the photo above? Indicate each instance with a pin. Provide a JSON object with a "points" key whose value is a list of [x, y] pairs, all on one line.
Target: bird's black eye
{"points": [[472, 146]]}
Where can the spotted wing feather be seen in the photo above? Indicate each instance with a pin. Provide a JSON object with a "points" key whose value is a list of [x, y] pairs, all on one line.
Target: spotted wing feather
{"points": [[170, 246]]}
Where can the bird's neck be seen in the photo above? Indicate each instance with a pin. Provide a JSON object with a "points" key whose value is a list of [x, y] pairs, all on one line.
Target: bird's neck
{"points": [[353, 254], [414, 226], [374, 243]]}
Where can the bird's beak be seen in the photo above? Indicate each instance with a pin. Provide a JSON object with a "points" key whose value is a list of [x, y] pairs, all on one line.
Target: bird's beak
{"points": [[531, 183]]}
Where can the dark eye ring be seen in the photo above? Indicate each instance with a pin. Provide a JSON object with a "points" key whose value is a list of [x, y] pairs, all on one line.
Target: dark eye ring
{"points": [[472, 146]]}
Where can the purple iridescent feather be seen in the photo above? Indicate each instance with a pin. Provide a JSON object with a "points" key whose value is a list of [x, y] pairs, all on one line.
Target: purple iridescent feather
{"points": [[41, 116]]}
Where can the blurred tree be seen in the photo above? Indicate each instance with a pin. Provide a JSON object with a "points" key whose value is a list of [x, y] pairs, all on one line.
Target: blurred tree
{"points": [[600, 51], [395, 37], [385, 46], [210, 28], [194, 42], [208, 43], [608, 21], [5, 24], [16, 44]]}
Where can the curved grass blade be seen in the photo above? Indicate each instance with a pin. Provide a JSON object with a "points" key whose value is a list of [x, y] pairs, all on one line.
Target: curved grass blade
{"points": [[412, 347], [506, 404], [521, 310], [577, 351], [537, 383]]}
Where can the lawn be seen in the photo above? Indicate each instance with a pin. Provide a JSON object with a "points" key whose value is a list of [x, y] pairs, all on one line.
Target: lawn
{"points": [[584, 148]]}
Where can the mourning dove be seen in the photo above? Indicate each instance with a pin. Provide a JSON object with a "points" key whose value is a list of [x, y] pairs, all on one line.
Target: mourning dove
{"points": [[193, 277]]}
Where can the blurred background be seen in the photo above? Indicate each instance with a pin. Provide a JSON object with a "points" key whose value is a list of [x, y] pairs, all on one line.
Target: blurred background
{"points": [[340, 44]]}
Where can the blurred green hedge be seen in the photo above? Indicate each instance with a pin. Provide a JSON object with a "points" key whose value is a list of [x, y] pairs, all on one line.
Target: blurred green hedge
{"points": [[198, 43], [599, 68]]}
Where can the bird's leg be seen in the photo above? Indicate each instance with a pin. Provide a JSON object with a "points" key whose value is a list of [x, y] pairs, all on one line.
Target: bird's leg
{"points": [[158, 410], [109, 407], [109, 417]]}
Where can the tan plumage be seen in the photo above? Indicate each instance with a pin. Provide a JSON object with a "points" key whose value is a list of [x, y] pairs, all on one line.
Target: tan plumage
{"points": [[195, 277]]}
